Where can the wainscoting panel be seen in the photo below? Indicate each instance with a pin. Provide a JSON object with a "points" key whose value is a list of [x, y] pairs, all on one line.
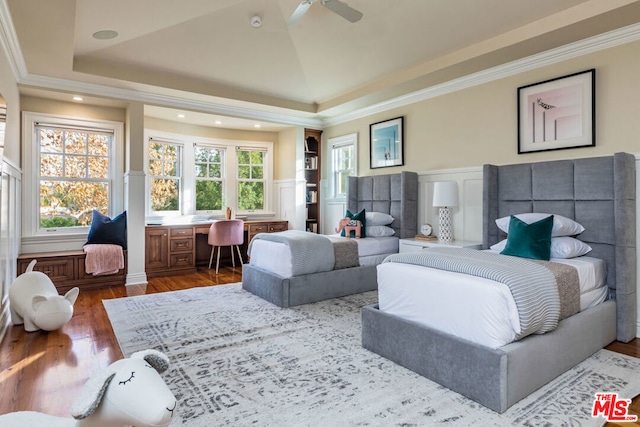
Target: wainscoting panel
{"points": [[10, 226]]}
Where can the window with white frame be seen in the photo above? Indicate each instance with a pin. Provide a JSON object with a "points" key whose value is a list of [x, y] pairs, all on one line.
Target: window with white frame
{"points": [[251, 178], [194, 175], [70, 170], [210, 177], [165, 165], [343, 162]]}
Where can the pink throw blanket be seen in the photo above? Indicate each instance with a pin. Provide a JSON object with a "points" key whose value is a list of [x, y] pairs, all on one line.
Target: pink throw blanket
{"points": [[103, 259]]}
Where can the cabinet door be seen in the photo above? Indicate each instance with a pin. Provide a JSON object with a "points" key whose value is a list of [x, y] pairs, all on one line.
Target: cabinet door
{"points": [[156, 248]]}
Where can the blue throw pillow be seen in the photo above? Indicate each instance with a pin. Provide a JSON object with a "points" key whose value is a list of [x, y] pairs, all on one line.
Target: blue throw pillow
{"points": [[529, 240], [360, 216], [108, 231]]}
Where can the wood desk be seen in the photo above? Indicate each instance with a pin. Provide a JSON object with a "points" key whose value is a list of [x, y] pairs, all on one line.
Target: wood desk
{"points": [[178, 249]]}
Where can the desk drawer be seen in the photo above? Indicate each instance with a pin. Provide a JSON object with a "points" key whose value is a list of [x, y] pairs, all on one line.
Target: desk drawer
{"points": [[279, 226], [181, 245], [182, 232], [258, 228], [181, 260]]}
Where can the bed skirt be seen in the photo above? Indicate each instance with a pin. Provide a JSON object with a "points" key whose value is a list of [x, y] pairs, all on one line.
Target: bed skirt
{"points": [[495, 378], [308, 288]]}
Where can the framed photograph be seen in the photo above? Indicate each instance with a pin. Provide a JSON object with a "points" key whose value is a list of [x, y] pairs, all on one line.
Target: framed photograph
{"points": [[387, 143], [557, 114]]}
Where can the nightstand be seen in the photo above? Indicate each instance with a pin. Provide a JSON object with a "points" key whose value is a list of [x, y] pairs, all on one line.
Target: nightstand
{"points": [[416, 245]]}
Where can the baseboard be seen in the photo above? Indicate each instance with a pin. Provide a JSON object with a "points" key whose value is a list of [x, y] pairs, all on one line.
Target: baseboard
{"points": [[136, 279]]}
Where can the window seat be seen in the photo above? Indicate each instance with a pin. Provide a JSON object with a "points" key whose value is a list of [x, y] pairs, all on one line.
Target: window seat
{"points": [[66, 269]]}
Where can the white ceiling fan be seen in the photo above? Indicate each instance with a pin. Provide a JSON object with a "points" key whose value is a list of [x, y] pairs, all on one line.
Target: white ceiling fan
{"points": [[342, 9]]}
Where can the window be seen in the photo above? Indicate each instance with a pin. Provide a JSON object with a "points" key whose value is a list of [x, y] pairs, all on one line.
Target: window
{"points": [[343, 162], [251, 179], [190, 175], [164, 176], [74, 175], [210, 173], [70, 169]]}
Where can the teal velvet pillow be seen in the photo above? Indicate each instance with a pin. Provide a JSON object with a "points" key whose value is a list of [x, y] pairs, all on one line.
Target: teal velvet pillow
{"points": [[529, 240], [360, 216]]}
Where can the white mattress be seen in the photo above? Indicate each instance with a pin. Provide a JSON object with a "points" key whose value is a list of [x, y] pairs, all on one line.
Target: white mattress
{"points": [[457, 304], [276, 257]]}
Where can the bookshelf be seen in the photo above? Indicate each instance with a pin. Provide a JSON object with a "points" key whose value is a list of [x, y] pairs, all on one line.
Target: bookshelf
{"points": [[312, 154]]}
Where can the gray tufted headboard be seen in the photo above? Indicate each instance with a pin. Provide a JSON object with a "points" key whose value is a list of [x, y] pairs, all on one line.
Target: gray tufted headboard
{"points": [[394, 194], [599, 193]]}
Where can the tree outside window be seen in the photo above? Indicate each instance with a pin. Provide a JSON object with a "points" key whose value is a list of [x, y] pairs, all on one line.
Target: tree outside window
{"points": [[209, 172], [343, 162], [164, 172], [74, 176], [251, 179]]}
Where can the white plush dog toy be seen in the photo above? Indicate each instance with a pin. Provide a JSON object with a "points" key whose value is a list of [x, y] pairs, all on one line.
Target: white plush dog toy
{"points": [[34, 301], [128, 392]]}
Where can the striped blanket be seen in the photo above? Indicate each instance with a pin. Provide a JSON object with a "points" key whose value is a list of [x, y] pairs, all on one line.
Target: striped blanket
{"points": [[533, 284]]}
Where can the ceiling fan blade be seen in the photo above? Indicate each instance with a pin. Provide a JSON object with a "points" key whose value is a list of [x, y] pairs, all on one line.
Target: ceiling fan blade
{"points": [[300, 10], [342, 9]]}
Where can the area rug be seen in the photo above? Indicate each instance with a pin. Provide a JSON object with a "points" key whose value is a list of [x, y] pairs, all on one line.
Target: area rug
{"points": [[239, 360]]}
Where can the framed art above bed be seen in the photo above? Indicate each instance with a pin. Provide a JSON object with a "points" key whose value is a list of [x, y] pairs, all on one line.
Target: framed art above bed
{"points": [[558, 113]]}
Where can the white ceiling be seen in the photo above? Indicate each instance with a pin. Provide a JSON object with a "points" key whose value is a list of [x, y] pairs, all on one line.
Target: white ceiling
{"points": [[205, 52]]}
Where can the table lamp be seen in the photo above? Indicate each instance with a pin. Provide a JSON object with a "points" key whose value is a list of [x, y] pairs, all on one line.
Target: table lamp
{"points": [[445, 196]]}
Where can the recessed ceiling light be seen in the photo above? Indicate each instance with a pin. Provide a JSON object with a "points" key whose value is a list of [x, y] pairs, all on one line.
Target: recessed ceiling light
{"points": [[105, 35], [77, 98], [257, 125], [218, 122], [181, 116]]}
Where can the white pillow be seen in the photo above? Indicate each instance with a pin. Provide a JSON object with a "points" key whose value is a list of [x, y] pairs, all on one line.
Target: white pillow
{"points": [[378, 218], [379, 231], [562, 226], [561, 247]]}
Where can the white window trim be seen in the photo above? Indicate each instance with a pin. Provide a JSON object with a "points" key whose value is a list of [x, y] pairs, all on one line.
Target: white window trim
{"points": [[230, 191], [59, 237], [338, 142]]}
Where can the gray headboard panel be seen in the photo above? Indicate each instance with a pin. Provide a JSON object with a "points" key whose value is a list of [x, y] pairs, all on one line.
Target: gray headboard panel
{"points": [[599, 193], [394, 194]]}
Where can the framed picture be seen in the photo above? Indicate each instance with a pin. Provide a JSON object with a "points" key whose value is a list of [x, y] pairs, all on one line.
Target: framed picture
{"points": [[387, 143], [558, 113]]}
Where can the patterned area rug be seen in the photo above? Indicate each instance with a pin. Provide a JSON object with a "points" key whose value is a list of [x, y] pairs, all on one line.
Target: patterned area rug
{"points": [[239, 360]]}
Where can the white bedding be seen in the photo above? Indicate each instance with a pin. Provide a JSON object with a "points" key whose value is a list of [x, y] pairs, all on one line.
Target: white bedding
{"points": [[276, 257], [486, 315]]}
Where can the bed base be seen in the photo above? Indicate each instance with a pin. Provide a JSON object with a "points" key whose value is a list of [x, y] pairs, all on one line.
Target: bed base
{"points": [[308, 288], [495, 378]]}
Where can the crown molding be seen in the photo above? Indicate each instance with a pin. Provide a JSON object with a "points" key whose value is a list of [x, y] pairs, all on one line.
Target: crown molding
{"points": [[583, 47], [10, 43], [169, 101]]}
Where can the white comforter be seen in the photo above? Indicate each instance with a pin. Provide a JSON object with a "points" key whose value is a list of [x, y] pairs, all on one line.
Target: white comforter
{"points": [[477, 309]]}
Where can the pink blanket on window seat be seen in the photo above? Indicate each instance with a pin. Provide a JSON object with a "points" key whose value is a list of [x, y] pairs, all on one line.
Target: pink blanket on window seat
{"points": [[103, 259]]}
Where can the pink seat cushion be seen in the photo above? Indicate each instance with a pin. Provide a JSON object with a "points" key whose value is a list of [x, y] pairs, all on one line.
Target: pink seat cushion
{"points": [[226, 232]]}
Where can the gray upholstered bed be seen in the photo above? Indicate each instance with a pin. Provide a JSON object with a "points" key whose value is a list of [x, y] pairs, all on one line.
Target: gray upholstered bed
{"points": [[597, 192], [394, 194]]}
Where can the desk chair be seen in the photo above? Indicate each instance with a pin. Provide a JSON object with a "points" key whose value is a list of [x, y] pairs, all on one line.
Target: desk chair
{"points": [[226, 233]]}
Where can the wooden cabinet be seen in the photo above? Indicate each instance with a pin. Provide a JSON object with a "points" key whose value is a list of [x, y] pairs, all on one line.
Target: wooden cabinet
{"points": [[312, 156], [66, 270], [169, 250], [178, 249], [265, 227]]}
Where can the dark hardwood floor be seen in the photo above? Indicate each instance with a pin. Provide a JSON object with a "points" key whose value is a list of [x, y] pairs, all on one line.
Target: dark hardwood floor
{"points": [[44, 371]]}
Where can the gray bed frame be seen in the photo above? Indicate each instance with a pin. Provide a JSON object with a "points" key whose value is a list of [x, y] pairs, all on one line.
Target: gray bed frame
{"points": [[597, 192], [394, 194]]}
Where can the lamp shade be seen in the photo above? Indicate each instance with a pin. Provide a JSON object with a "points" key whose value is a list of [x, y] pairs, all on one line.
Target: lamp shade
{"points": [[445, 193]]}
